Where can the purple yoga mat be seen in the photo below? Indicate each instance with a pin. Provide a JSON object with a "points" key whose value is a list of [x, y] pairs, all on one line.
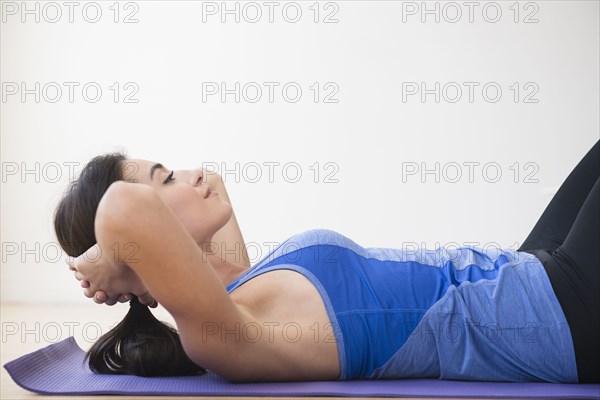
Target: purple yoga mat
{"points": [[60, 369]]}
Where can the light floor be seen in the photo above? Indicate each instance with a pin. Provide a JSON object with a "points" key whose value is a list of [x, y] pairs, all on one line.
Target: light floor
{"points": [[28, 327]]}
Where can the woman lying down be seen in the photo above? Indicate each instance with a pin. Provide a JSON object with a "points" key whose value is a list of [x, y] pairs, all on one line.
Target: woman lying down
{"points": [[320, 306]]}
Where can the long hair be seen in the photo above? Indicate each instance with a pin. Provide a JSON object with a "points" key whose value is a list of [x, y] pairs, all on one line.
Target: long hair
{"points": [[140, 344]]}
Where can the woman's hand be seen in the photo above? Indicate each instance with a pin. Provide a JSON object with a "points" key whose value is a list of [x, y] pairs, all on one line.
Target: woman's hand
{"points": [[106, 280]]}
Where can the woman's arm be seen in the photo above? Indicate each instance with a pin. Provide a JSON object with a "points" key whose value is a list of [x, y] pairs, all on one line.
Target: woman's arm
{"points": [[228, 241], [173, 269], [228, 245]]}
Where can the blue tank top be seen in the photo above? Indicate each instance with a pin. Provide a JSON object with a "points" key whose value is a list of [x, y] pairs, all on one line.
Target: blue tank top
{"points": [[452, 313]]}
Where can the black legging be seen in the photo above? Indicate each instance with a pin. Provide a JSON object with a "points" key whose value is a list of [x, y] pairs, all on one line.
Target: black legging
{"points": [[566, 239]]}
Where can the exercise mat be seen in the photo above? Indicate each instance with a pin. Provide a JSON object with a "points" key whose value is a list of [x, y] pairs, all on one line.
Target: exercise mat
{"points": [[60, 369]]}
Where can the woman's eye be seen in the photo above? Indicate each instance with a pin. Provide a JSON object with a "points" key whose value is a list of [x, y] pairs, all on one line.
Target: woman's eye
{"points": [[169, 178]]}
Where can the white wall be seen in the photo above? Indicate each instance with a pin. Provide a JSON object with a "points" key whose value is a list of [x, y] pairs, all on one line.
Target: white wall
{"points": [[369, 135]]}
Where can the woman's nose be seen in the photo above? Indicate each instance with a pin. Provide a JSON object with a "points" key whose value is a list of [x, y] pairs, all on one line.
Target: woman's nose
{"points": [[195, 178]]}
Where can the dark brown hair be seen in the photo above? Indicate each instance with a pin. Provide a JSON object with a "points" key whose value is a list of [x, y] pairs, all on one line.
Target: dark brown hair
{"points": [[140, 344]]}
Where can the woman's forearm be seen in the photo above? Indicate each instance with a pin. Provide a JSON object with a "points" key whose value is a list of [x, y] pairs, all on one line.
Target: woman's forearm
{"points": [[167, 259], [117, 205]]}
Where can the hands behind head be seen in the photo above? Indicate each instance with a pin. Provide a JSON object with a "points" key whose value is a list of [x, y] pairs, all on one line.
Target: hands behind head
{"points": [[106, 281]]}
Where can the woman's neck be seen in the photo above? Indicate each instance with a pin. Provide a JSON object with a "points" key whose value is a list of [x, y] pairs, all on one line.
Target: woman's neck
{"points": [[226, 270]]}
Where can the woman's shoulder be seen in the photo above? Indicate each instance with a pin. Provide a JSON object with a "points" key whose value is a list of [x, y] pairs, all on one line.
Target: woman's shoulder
{"points": [[319, 236]]}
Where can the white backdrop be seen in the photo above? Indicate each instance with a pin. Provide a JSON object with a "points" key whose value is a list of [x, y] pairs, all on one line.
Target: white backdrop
{"points": [[342, 93]]}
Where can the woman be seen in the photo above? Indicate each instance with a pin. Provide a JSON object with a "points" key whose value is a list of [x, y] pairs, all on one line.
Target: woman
{"points": [[321, 307]]}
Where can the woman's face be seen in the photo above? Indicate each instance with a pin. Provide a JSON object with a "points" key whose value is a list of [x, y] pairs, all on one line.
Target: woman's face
{"points": [[184, 192]]}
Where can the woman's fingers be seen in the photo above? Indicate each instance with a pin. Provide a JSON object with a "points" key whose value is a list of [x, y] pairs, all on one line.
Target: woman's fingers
{"points": [[118, 299], [110, 302], [147, 300], [124, 298], [100, 297]]}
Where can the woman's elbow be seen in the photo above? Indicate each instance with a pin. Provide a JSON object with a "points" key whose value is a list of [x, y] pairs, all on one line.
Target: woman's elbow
{"points": [[121, 204]]}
